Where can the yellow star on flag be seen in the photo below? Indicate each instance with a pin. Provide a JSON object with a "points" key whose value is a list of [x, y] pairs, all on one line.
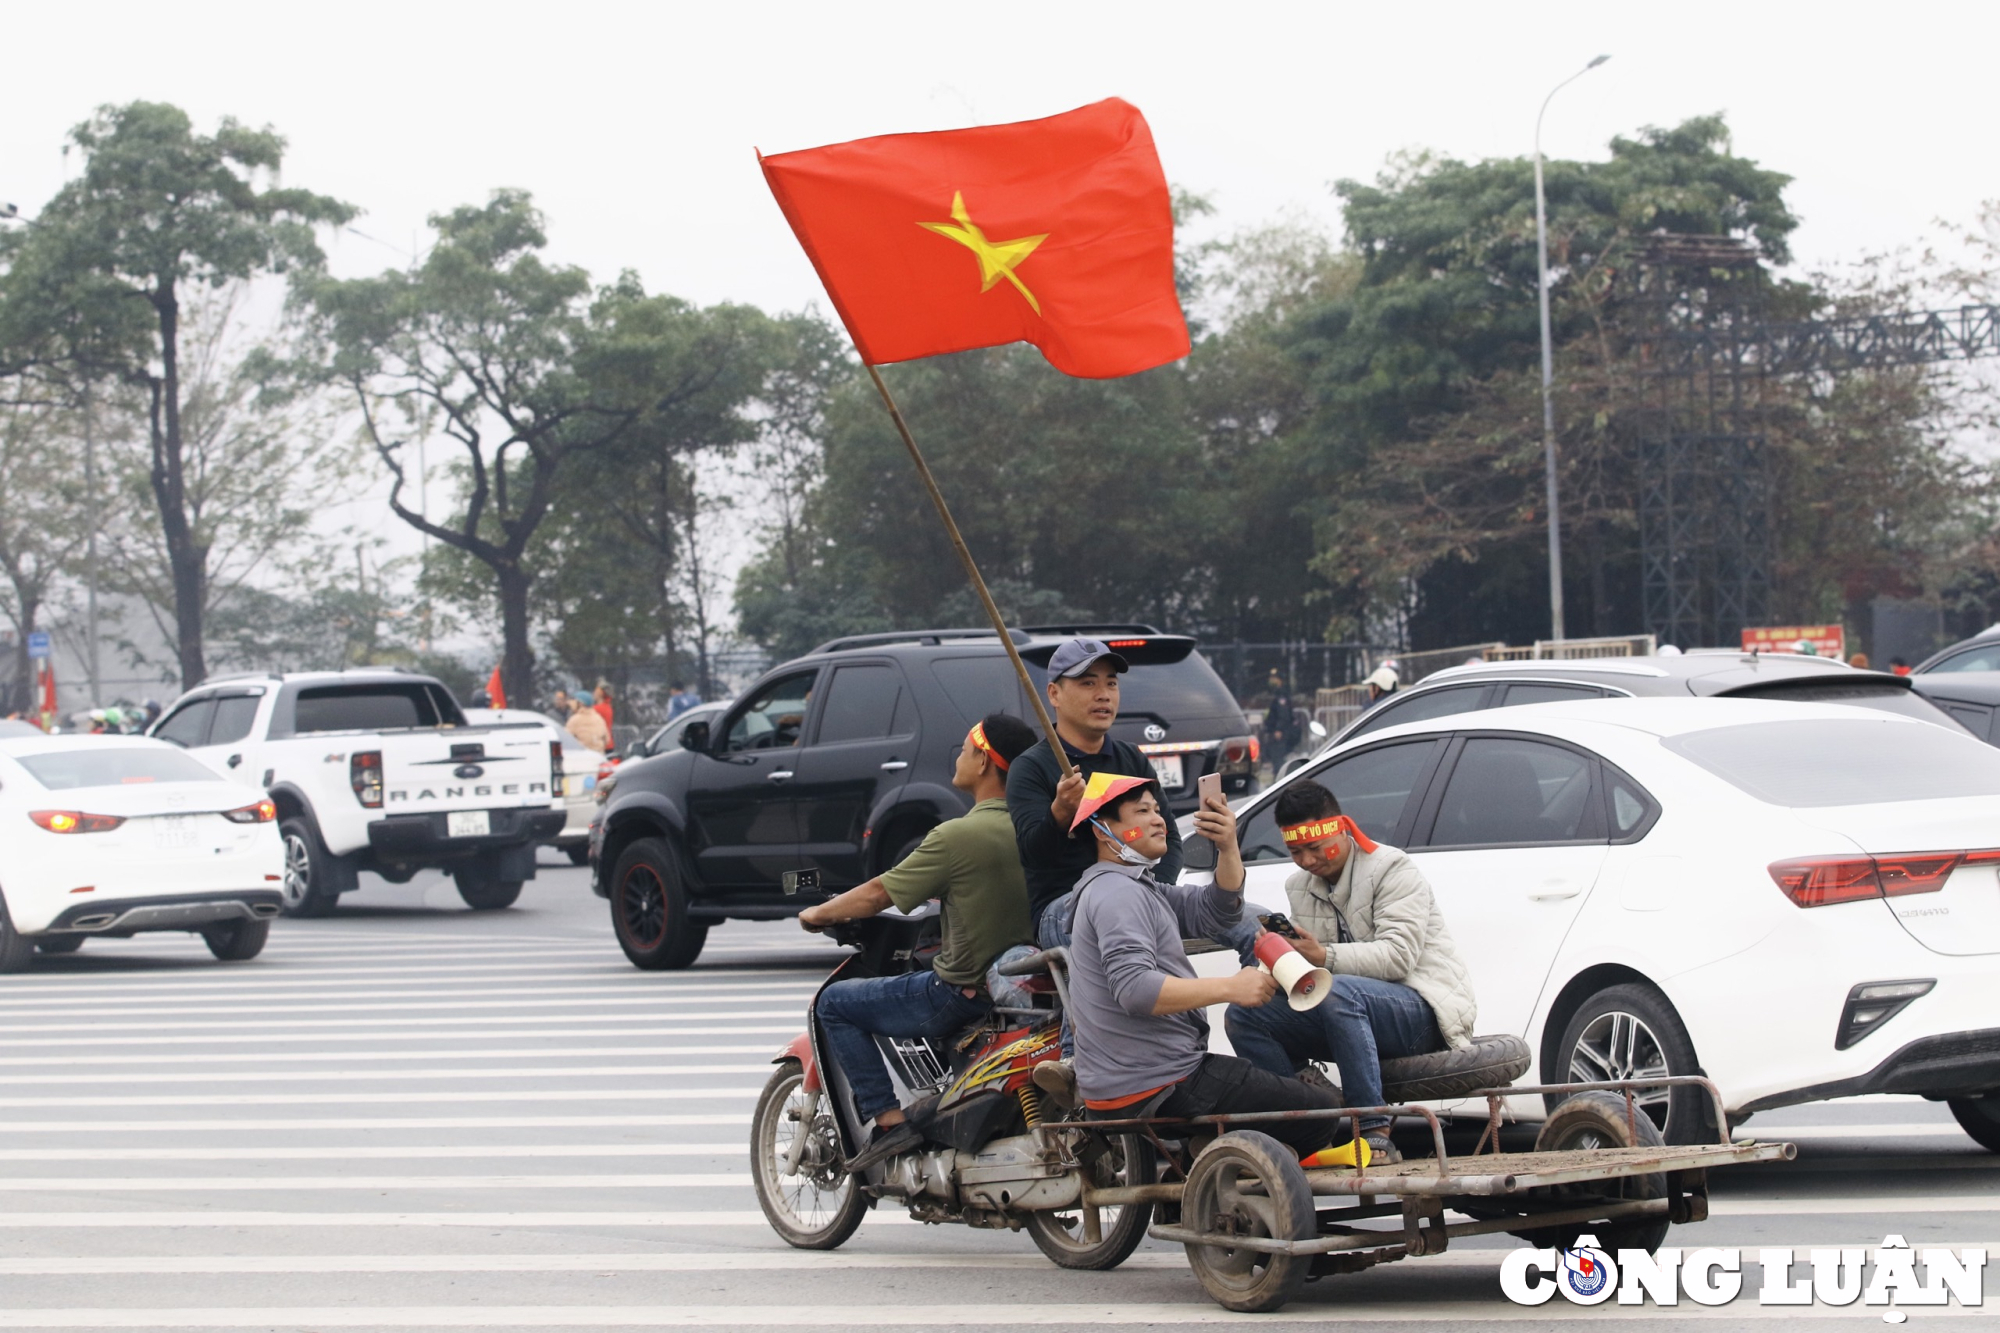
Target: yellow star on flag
{"points": [[997, 259]]}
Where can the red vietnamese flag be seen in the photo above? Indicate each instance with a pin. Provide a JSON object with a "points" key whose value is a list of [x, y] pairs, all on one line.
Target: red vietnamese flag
{"points": [[1056, 232]]}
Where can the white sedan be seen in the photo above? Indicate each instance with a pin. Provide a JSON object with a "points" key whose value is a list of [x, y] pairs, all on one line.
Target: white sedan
{"points": [[1801, 901], [114, 835]]}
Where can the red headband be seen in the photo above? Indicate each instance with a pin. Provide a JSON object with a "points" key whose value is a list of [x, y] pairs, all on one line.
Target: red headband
{"points": [[1318, 830], [979, 742]]}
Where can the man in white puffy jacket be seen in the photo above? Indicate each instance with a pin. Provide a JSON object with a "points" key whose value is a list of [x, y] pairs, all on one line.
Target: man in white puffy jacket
{"points": [[1365, 913]]}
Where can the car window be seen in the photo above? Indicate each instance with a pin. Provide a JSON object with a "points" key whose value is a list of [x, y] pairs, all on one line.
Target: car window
{"points": [[977, 686], [1632, 809], [1835, 762], [188, 724], [1372, 786], [1505, 789], [1421, 707], [861, 704], [234, 716], [365, 708], [772, 718], [1177, 691], [1543, 693], [119, 766], [1983, 658]]}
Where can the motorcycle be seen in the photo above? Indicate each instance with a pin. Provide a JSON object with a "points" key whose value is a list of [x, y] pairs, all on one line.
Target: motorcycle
{"points": [[993, 1154]]}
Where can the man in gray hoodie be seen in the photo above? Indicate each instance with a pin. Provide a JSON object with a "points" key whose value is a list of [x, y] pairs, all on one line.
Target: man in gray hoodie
{"points": [[1135, 1001]]}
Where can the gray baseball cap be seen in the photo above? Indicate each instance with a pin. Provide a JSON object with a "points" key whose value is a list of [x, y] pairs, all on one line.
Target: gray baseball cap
{"points": [[1073, 657]]}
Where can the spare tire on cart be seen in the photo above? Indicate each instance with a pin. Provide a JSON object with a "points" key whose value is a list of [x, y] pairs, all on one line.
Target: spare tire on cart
{"points": [[1489, 1062]]}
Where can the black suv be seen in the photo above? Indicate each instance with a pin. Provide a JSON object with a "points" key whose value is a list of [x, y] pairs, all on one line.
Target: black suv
{"points": [[841, 760]]}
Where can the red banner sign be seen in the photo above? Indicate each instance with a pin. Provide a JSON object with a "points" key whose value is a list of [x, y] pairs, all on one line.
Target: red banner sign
{"points": [[1826, 640]]}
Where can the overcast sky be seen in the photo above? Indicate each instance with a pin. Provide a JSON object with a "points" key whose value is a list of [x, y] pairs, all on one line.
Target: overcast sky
{"points": [[634, 124]]}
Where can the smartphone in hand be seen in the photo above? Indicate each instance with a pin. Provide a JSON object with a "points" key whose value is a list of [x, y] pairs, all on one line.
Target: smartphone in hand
{"points": [[1278, 924], [1210, 784]]}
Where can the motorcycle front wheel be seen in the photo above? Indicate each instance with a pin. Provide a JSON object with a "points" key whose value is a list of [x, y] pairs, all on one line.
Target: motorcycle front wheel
{"points": [[818, 1208], [1100, 1238]]}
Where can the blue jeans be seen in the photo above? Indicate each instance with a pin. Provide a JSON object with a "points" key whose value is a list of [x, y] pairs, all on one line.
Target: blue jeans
{"points": [[917, 1004], [1360, 1022]]}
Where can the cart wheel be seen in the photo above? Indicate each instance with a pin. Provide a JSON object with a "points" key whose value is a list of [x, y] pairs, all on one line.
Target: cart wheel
{"points": [[1584, 1123], [1248, 1184], [1065, 1235]]}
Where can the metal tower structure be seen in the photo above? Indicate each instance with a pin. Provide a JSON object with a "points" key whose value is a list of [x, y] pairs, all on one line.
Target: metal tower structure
{"points": [[1707, 355]]}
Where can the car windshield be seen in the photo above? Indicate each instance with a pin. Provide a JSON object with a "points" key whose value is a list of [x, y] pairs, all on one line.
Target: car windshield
{"points": [[114, 766], [1822, 762]]}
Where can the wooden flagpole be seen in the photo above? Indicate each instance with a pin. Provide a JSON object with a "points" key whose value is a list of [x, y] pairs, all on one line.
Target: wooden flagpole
{"points": [[972, 571]]}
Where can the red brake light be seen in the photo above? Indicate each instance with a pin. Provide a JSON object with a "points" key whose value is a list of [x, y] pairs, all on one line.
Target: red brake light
{"points": [[1125, 643], [555, 765], [364, 772], [1817, 881], [1256, 750], [263, 812], [75, 821]]}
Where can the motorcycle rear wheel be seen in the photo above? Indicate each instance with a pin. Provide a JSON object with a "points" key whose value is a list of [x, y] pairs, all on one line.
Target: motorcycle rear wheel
{"points": [[820, 1207], [1060, 1233]]}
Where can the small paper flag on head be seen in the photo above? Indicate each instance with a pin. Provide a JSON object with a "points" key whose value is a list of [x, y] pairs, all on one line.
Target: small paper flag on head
{"points": [[1099, 790]]}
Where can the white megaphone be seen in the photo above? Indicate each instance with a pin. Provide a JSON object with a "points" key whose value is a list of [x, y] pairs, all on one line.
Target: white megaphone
{"points": [[1304, 985]]}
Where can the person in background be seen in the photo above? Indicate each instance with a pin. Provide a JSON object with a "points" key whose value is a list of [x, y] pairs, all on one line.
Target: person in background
{"points": [[1281, 721], [1859, 661], [479, 699], [587, 727], [601, 703], [495, 690], [1083, 693], [1382, 682], [679, 699], [1899, 666], [560, 702]]}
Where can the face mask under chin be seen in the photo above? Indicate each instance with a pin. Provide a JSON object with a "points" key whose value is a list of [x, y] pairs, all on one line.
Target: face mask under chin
{"points": [[1126, 854]]}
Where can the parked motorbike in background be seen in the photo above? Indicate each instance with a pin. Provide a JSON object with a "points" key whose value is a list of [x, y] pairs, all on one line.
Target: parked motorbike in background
{"points": [[993, 1156]]}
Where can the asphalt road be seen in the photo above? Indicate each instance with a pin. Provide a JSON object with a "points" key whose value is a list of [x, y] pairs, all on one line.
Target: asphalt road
{"points": [[414, 1116]]}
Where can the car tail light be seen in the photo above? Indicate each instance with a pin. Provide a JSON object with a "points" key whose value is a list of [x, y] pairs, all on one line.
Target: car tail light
{"points": [[1818, 881], [263, 812], [1239, 751], [555, 766], [75, 821], [1256, 749], [364, 771]]}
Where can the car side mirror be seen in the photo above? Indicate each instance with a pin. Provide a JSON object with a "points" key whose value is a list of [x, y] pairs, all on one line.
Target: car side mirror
{"points": [[694, 736], [637, 750], [1318, 731]]}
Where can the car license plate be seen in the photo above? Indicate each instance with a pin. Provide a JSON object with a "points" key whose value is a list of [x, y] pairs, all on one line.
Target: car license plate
{"points": [[467, 824], [1167, 768], [173, 832]]}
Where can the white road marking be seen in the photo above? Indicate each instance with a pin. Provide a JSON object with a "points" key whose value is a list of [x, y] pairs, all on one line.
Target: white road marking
{"points": [[394, 1098], [230, 1016], [512, 1152], [1808, 1206], [276, 1218], [1780, 1133], [455, 993], [290, 1125], [792, 1028], [224, 1022], [238, 1184], [389, 1075], [907, 1314], [298, 1057]]}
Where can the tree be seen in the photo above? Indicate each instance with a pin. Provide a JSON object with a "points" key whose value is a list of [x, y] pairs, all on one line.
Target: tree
{"points": [[518, 364], [98, 285], [45, 520]]}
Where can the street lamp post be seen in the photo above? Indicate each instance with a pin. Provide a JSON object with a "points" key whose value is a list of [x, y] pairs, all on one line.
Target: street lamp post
{"points": [[1548, 365]]}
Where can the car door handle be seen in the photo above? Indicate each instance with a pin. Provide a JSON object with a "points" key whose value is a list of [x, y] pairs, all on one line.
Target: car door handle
{"points": [[782, 775], [895, 765], [235, 759], [1556, 895]]}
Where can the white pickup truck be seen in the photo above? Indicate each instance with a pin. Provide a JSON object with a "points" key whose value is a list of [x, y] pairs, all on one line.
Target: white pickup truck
{"points": [[377, 769]]}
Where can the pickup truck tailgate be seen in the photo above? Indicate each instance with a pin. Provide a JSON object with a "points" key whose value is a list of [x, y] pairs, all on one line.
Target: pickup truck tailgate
{"points": [[466, 768]]}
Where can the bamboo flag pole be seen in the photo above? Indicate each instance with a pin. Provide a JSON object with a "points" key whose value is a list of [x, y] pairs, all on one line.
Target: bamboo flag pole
{"points": [[972, 571]]}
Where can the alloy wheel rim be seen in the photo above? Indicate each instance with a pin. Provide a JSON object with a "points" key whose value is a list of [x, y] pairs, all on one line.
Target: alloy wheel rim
{"points": [[298, 870], [643, 907], [1617, 1046]]}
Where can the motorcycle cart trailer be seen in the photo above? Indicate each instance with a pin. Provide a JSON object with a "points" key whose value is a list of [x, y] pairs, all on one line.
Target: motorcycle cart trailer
{"points": [[1255, 1223]]}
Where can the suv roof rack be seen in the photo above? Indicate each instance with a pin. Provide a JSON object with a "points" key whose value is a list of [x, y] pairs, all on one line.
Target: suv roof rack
{"points": [[924, 636], [1096, 631]]}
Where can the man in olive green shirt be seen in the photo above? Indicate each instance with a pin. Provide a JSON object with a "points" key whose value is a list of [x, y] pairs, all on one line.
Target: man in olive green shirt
{"points": [[972, 866]]}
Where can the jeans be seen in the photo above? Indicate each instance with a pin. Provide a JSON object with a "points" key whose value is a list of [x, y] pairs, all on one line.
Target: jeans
{"points": [[917, 1004], [1224, 1083], [1360, 1022]]}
